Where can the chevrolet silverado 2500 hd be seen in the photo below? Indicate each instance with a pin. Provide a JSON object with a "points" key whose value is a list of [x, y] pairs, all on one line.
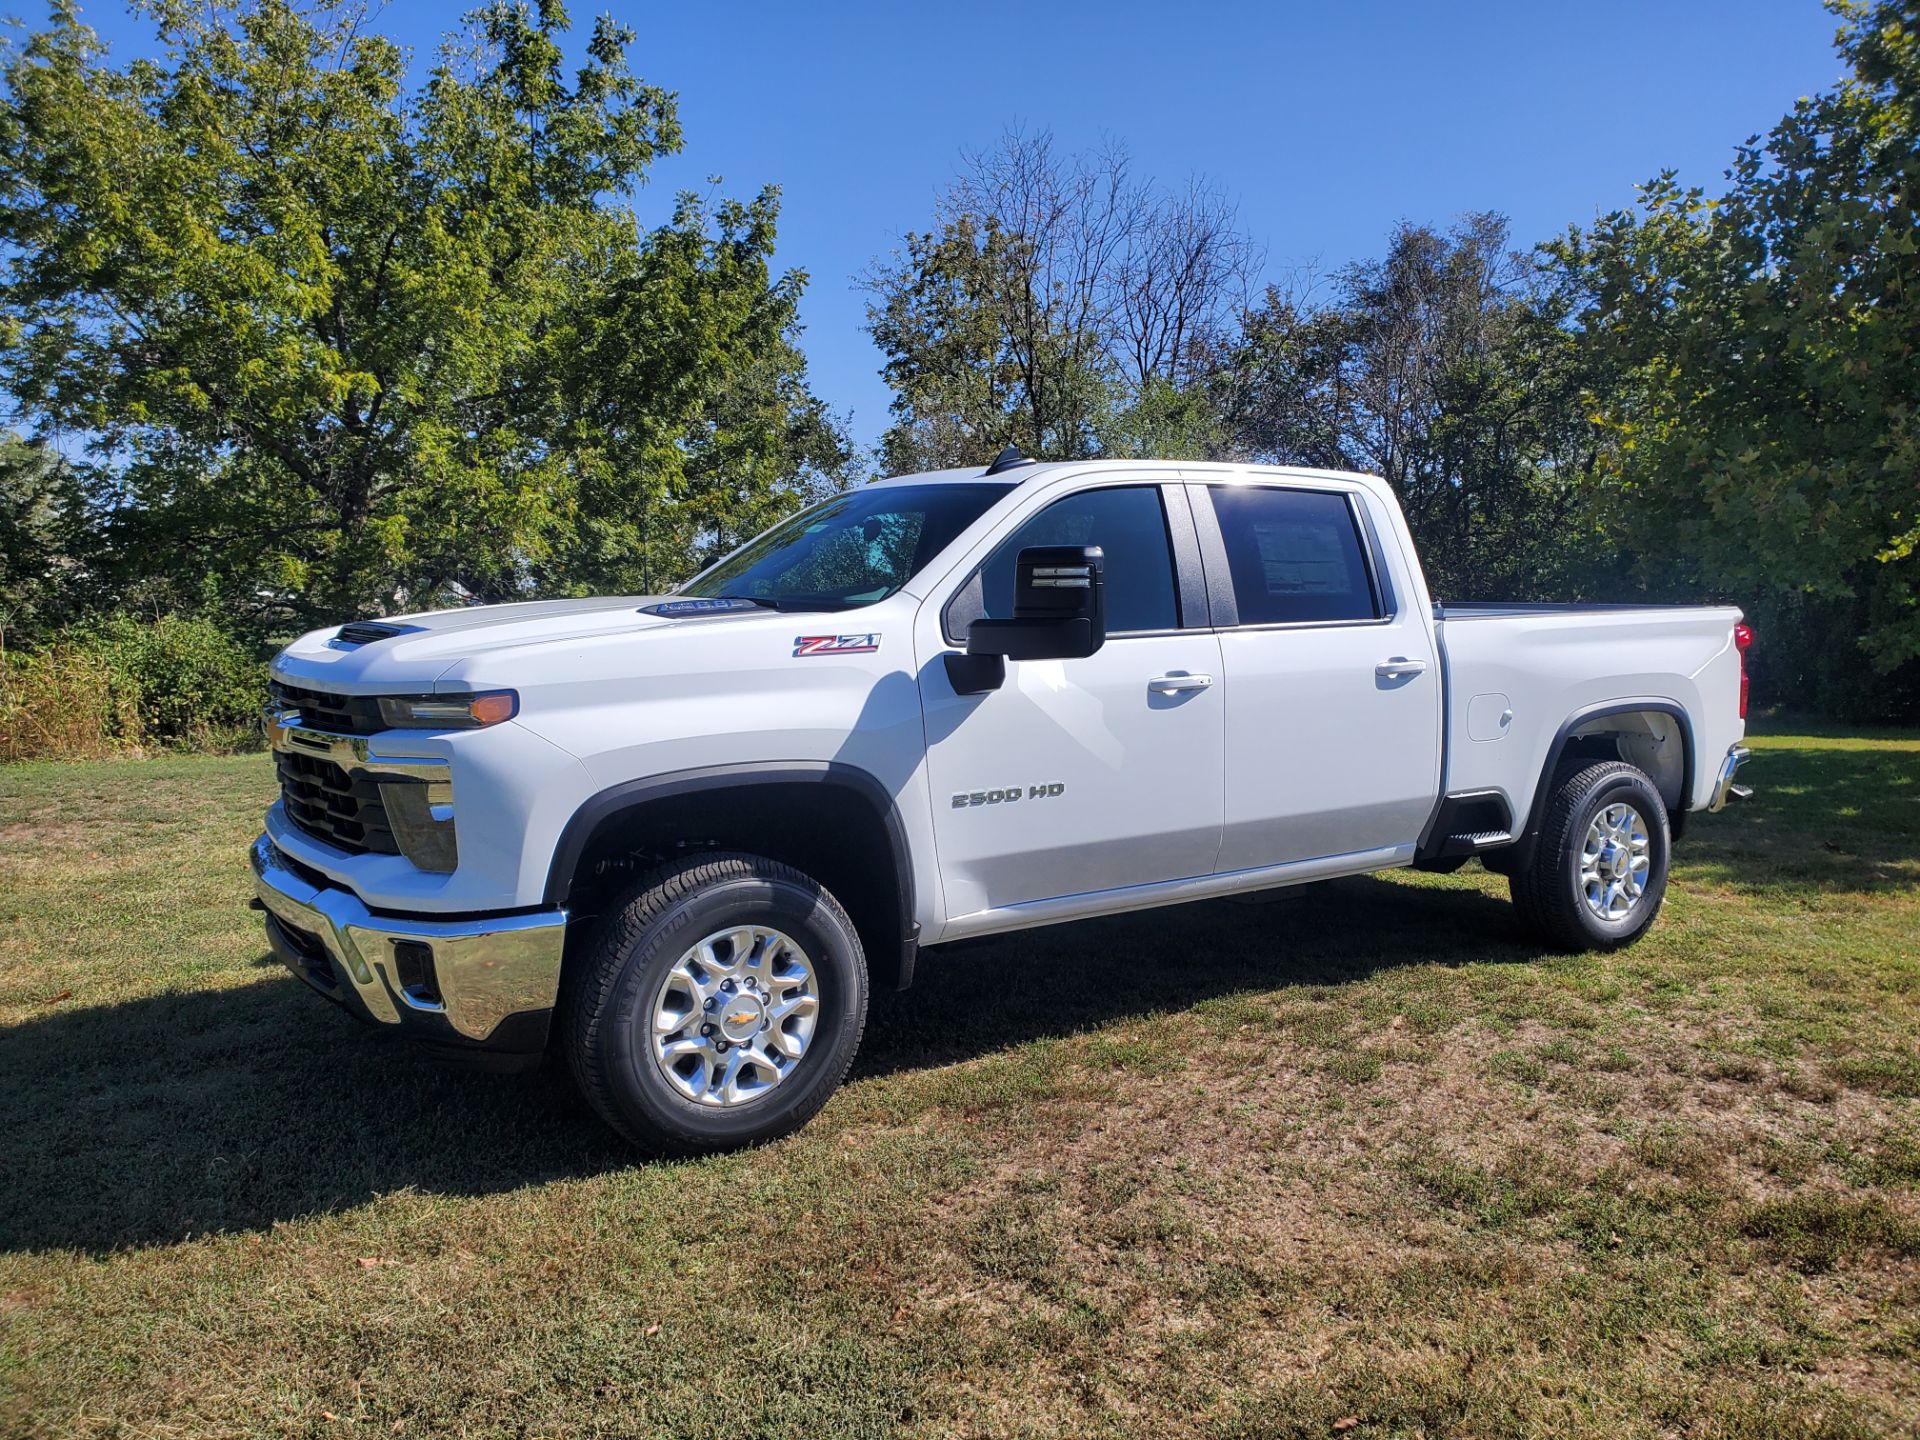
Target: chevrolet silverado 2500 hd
{"points": [[675, 838]]}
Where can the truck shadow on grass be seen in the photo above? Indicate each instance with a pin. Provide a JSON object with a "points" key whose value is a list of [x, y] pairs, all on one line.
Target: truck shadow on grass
{"points": [[180, 1115], [980, 996]]}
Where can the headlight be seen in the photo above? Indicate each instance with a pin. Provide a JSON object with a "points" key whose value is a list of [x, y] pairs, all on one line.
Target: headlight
{"points": [[449, 712]]}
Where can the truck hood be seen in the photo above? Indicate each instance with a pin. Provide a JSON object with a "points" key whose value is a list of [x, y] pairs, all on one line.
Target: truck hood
{"points": [[415, 650]]}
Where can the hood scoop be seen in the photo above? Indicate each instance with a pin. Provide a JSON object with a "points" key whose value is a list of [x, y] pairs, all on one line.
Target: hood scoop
{"points": [[365, 632]]}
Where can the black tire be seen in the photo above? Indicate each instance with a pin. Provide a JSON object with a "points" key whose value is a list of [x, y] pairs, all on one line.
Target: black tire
{"points": [[1547, 890], [606, 1007]]}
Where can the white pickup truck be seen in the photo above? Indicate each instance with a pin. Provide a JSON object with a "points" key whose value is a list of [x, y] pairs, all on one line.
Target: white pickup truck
{"points": [[676, 838]]}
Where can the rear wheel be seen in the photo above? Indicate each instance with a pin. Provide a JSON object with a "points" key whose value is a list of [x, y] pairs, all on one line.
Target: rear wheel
{"points": [[718, 1005], [1598, 871]]}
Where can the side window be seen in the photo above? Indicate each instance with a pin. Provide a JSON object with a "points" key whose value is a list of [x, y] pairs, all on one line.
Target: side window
{"points": [[1127, 523], [1294, 554]]}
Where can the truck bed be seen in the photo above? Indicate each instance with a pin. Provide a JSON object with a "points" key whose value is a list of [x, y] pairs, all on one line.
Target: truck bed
{"points": [[1518, 676]]}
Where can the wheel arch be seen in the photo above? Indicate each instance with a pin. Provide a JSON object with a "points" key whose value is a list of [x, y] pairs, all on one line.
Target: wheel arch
{"points": [[1629, 726], [833, 821]]}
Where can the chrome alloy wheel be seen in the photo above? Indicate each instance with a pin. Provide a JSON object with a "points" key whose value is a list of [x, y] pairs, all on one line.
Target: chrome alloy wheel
{"points": [[734, 1016], [1615, 862]]}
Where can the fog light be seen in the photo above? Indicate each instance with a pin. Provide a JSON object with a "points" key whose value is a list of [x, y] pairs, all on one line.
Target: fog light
{"points": [[413, 968], [421, 816]]}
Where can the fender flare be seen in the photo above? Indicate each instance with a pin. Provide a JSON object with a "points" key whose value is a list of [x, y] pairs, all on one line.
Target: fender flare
{"points": [[634, 794], [1537, 811]]}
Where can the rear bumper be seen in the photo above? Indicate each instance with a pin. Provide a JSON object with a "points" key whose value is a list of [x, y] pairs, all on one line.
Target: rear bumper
{"points": [[484, 984], [1723, 787]]}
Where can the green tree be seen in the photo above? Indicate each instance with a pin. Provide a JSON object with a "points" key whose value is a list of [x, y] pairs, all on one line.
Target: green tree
{"points": [[44, 537], [1759, 353], [1446, 367], [680, 397], [959, 391], [1058, 304], [326, 333]]}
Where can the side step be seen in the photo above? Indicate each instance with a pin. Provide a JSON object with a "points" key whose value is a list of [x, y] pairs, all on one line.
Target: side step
{"points": [[1450, 851], [1474, 841], [1466, 823]]}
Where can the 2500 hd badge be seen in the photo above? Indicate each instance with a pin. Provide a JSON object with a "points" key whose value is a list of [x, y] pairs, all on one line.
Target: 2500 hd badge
{"points": [[1007, 796]]}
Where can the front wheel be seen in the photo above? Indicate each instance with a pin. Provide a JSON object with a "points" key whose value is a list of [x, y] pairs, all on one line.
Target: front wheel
{"points": [[718, 1005], [1598, 871]]}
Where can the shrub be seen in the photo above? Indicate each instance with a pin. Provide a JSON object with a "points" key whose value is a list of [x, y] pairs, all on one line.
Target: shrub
{"points": [[121, 683], [63, 703], [193, 681]]}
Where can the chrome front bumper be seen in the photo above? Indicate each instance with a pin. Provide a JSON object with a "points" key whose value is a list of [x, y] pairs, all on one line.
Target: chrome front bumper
{"points": [[1723, 787], [487, 982]]}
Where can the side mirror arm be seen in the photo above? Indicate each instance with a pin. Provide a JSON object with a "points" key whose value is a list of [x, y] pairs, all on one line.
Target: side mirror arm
{"points": [[972, 674]]}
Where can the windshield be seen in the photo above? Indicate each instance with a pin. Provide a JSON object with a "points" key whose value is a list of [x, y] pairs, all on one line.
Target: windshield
{"points": [[851, 550]]}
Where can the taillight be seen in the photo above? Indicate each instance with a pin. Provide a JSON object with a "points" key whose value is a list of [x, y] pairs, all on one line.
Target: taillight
{"points": [[1742, 640]]}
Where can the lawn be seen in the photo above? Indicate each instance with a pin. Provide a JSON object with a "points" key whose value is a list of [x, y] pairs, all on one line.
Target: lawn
{"points": [[1357, 1160]]}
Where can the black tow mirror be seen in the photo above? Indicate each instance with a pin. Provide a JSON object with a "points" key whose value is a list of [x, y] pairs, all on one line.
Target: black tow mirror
{"points": [[1059, 607], [1059, 613]]}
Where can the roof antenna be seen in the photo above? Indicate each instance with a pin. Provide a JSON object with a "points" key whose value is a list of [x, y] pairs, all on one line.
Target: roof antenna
{"points": [[1007, 459]]}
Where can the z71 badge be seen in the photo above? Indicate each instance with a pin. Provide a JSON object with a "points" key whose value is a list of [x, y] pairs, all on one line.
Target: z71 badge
{"points": [[835, 644]]}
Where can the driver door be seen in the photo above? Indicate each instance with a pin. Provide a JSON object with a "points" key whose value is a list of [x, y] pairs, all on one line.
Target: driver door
{"points": [[1083, 775]]}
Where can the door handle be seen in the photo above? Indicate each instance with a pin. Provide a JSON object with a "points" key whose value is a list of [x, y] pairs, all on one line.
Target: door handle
{"points": [[1174, 684], [1398, 667]]}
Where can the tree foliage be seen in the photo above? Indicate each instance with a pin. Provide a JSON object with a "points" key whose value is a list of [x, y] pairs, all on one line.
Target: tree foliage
{"points": [[1754, 358], [335, 342], [43, 532], [1058, 304], [678, 396], [1447, 368], [346, 347], [1069, 309]]}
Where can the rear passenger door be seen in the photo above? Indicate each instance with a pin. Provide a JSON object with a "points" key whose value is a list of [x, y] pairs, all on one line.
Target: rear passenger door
{"points": [[1333, 716]]}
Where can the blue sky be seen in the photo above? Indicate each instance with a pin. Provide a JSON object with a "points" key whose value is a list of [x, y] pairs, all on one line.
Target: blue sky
{"points": [[1327, 122]]}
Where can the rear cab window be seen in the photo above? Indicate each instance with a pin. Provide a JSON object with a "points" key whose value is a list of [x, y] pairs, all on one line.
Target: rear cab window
{"points": [[1294, 556]]}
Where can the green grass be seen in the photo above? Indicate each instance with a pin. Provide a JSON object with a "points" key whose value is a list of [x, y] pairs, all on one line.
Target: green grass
{"points": [[1359, 1153]]}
